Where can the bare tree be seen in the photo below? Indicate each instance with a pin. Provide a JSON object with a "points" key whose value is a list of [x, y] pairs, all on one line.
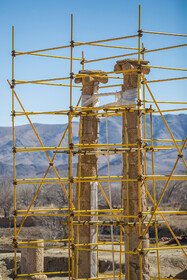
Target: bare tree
{"points": [[174, 187], [6, 197]]}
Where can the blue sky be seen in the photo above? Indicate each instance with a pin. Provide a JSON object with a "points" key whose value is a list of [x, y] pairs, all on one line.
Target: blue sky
{"points": [[43, 23]]}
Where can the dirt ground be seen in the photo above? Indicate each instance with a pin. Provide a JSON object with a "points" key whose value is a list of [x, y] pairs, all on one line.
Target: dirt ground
{"points": [[173, 263]]}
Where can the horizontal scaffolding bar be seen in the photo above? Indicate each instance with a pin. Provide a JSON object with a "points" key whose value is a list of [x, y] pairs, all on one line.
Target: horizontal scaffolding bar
{"points": [[53, 84], [166, 80], [163, 140], [45, 55], [163, 49], [164, 33], [75, 211], [43, 273], [172, 110], [164, 176], [107, 46], [165, 248], [43, 247], [109, 223], [110, 57], [107, 40], [94, 179], [79, 215], [164, 102], [43, 50], [167, 212], [75, 45], [18, 82], [42, 241], [22, 113], [167, 68], [56, 181]]}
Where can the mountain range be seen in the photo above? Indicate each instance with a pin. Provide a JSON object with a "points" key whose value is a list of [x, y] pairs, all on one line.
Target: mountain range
{"points": [[34, 164]]}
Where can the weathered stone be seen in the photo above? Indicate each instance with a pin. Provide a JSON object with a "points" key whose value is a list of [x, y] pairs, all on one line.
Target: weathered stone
{"points": [[87, 260], [89, 80], [32, 260], [128, 64], [131, 133]]}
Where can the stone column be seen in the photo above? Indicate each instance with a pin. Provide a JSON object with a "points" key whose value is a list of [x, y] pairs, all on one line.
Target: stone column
{"points": [[87, 265], [129, 96], [32, 260]]}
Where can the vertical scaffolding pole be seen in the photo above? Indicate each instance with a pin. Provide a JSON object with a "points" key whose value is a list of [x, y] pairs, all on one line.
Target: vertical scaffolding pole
{"points": [[133, 193], [70, 175], [154, 193], [14, 157]]}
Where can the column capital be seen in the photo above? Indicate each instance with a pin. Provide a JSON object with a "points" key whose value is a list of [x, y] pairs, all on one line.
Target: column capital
{"points": [[131, 63], [89, 80]]}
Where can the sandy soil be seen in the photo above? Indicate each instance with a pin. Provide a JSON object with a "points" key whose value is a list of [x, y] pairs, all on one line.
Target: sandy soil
{"points": [[172, 262]]}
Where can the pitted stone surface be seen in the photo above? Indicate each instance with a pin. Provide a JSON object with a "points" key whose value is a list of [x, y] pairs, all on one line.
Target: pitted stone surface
{"points": [[131, 122], [32, 260], [91, 79], [87, 264], [128, 64]]}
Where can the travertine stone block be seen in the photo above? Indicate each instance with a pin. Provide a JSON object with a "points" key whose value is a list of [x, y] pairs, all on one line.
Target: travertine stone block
{"points": [[87, 260], [32, 261], [131, 123]]}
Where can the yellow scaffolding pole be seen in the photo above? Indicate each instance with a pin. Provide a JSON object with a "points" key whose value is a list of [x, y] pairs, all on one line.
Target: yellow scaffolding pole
{"points": [[164, 33], [163, 192], [101, 150]]}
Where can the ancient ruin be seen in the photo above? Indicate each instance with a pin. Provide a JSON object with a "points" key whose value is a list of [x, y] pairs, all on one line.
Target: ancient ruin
{"points": [[108, 240]]}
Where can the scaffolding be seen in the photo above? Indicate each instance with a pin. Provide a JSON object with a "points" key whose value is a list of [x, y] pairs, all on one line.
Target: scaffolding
{"points": [[110, 217]]}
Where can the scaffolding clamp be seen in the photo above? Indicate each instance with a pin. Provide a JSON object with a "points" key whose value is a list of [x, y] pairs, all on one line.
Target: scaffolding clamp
{"points": [[13, 113], [51, 164], [139, 102], [139, 68], [71, 180], [144, 81], [71, 146], [15, 213], [180, 155], [143, 50], [14, 182], [71, 75], [13, 84], [72, 44], [13, 53], [139, 141], [14, 150], [141, 237], [140, 215], [141, 252], [82, 61], [72, 214], [145, 145], [14, 242], [70, 109], [140, 32]]}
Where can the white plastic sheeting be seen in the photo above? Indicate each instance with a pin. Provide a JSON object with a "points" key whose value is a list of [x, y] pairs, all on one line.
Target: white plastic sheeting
{"points": [[128, 97]]}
